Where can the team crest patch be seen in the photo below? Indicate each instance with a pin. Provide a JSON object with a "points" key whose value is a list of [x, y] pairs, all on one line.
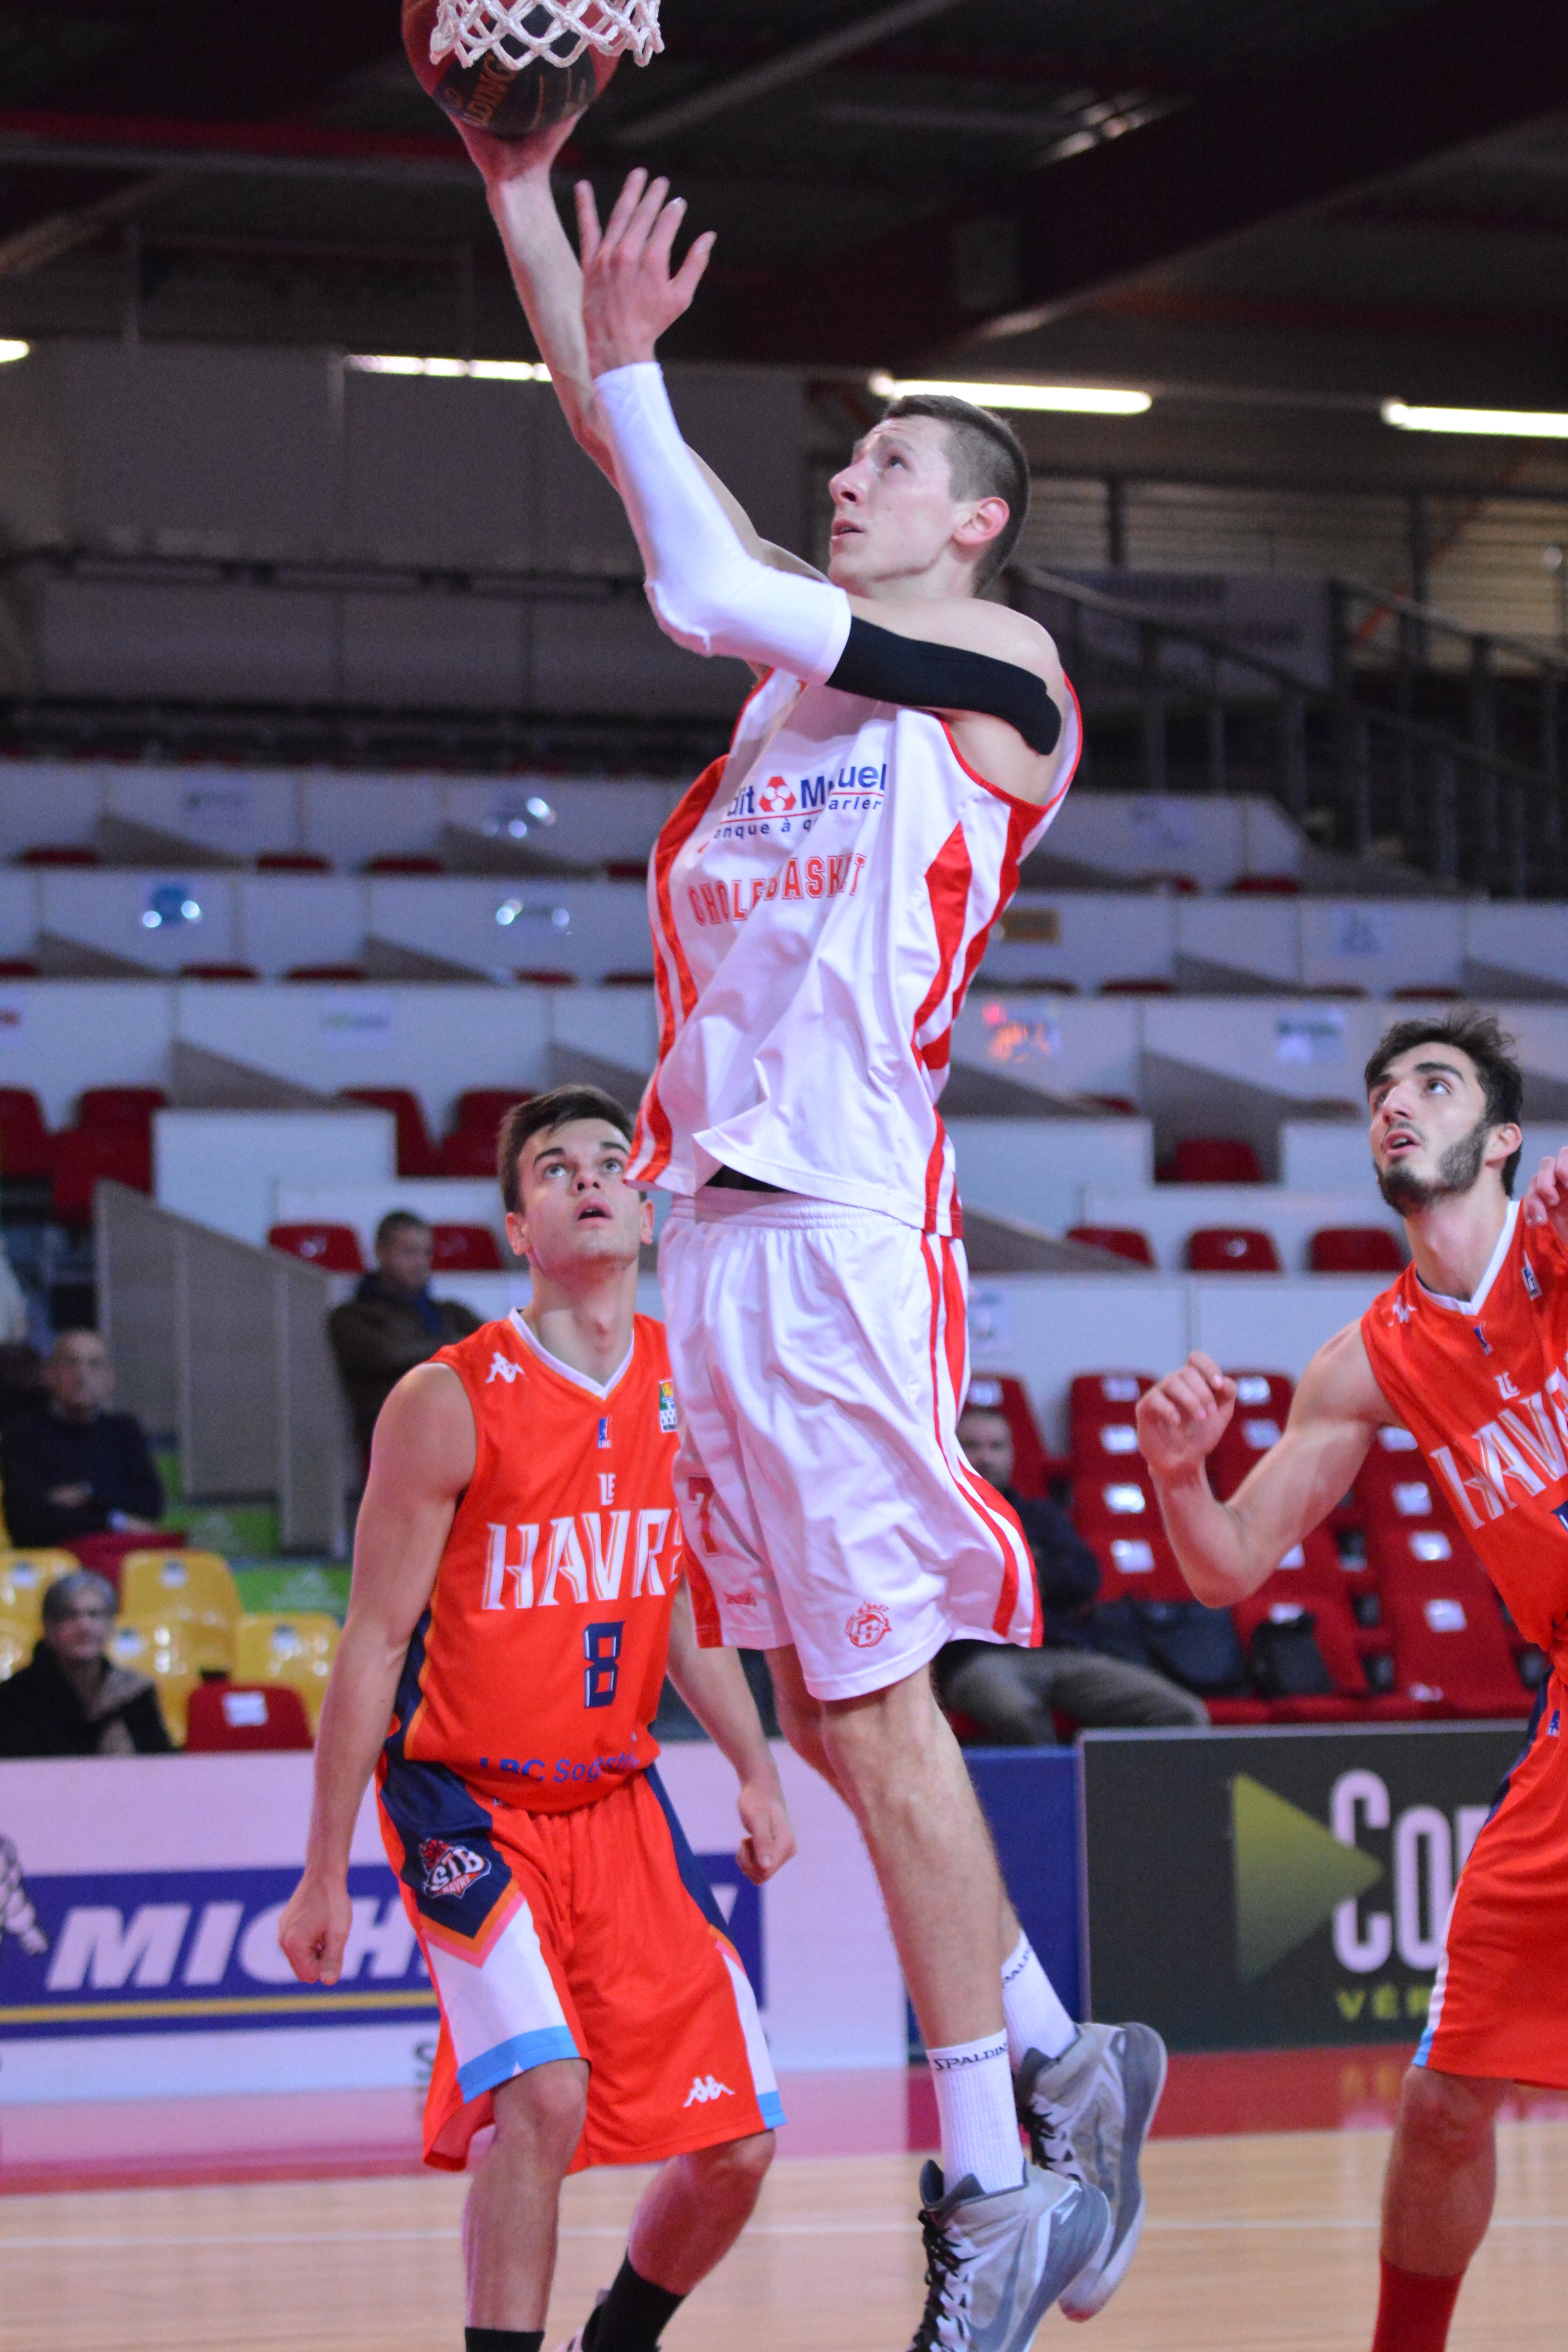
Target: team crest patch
{"points": [[667, 1421], [450, 1870], [868, 1624], [504, 1368]]}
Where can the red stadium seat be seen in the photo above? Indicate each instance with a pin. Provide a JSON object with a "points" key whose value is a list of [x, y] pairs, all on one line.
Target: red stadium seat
{"points": [[26, 1147], [1334, 1626], [1123, 1241], [1138, 1565], [293, 861], [416, 1155], [1354, 1249], [634, 979], [1232, 1249], [1265, 886], [1213, 1159], [348, 975], [1001, 1392], [132, 1107], [469, 1151], [482, 1108], [545, 976], [1096, 1397], [230, 1716], [1138, 988], [394, 864], [1450, 1651], [1421, 993], [65, 853], [464, 1249], [17, 968], [334, 1248], [1114, 1503], [219, 971], [82, 1157], [1262, 1402]]}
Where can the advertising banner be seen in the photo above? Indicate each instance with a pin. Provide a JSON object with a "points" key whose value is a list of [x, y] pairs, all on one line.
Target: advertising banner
{"points": [[1279, 1889], [139, 1907]]}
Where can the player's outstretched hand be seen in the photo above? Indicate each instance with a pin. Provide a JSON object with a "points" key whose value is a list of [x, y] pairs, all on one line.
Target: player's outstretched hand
{"points": [[314, 1928], [1182, 1418], [769, 1842], [1546, 1198], [630, 293]]}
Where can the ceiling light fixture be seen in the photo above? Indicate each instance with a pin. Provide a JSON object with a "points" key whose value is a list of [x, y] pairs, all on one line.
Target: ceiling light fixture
{"points": [[1081, 399], [405, 363], [1520, 424], [10, 350]]}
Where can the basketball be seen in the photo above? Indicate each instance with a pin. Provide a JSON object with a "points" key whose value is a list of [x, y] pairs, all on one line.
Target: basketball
{"points": [[509, 102]]}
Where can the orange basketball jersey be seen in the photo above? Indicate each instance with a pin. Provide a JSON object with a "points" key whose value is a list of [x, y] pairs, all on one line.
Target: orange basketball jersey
{"points": [[536, 1670], [1482, 1385]]}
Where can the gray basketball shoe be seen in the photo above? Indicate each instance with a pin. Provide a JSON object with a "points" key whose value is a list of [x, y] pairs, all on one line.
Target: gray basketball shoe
{"points": [[995, 2263], [1088, 2114]]}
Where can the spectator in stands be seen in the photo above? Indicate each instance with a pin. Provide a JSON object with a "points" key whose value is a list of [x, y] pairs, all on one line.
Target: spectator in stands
{"points": [[72, 1701], [1012, 1694], [22, 1386], [71, 1467], [392, 1323]]}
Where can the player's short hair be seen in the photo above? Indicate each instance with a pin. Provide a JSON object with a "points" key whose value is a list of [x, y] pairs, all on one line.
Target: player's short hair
{"points": [[987, 460], [397, 1220], [542, 1114], [1490, 1049]]}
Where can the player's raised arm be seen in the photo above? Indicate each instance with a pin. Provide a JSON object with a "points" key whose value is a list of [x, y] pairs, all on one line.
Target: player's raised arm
{"points": [[1227, 1550], [421, 1459]]}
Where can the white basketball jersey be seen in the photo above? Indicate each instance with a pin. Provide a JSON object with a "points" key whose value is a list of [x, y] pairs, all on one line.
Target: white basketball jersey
{"points": [[820, 900]]}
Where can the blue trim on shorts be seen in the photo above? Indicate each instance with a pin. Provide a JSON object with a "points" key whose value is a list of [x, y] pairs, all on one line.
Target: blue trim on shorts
{"points": [[693, 1877], [770, 2108], [518, 2056]]}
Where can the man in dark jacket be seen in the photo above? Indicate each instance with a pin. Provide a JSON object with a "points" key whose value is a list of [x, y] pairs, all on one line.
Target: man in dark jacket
{"points": [[1012, 1693], [392, 1323], [72, 1701], [71, 1467]]}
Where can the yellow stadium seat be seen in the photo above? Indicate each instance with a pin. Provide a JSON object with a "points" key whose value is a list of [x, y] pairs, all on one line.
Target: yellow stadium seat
{"points": [[158, 1649], [193, 1589], [16, 1642], [273, 1648], [24, 1576]]}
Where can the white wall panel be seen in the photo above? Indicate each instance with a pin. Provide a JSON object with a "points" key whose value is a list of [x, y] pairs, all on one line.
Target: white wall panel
{"points": [[239, 811], [59, 1036], [1252, 935], [1170, 1214], [1047, 1328], [1381, 944], [1086, 936], [619, 1024], [1261, 1322], [223, 1168], [1292, 1047], [1037, 1171], [1526, 938], [282, 920], [116, 911]]}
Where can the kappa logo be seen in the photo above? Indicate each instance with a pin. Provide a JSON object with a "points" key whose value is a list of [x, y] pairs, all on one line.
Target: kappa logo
{"points": [[17, 1916], [868, 1625], [503, 1368], [668, 1424], [1402, 1311], [706, 2087], [776, 798], [450, 1870]]}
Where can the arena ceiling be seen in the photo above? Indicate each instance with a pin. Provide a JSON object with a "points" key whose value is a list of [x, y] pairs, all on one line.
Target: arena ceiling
{"points": [[1319, 205]]}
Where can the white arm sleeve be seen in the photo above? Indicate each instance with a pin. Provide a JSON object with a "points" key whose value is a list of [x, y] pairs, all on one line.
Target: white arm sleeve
{"points": [[709, 594]]}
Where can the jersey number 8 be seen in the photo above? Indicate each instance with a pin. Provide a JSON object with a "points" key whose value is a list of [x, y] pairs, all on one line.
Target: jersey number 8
{"points": [[602, 1649]]}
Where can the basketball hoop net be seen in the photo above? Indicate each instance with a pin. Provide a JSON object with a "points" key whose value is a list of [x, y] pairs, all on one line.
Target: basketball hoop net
{"points": [[543, 32]]}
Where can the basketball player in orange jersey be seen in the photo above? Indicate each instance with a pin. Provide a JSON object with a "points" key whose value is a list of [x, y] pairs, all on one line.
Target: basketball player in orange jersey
{"points": [[1469, 1349], [517, 1584], [819, 903]]}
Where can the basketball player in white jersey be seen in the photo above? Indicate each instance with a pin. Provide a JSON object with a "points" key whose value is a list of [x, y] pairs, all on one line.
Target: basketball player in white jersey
{"points": [[819, 901]]}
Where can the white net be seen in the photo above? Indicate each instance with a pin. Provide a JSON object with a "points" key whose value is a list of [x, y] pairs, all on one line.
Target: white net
{"points": [[549, 32]]}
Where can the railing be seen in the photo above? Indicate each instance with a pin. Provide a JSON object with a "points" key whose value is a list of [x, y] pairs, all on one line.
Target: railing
{"points": [[227, 1346], [1355, 773]]}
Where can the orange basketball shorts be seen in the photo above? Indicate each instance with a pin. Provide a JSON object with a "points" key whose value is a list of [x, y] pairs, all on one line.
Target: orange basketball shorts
{"points": [[589, 1933], [1499, 2005]]}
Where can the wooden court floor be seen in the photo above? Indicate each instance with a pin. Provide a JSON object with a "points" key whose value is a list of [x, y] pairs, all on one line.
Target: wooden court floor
{"points": [[1257, 2243]]}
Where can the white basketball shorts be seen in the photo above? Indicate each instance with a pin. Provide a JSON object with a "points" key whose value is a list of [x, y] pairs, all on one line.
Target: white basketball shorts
{"points": [[820, 1356]]}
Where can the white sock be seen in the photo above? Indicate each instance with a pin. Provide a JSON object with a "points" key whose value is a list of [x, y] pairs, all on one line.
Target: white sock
{"points": [[1036, 2018], [979, 2122]]}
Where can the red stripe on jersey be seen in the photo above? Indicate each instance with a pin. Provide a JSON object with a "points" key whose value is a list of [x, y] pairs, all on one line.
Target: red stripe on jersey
{"points": [[946, 1294], [652, 1135], [948, 878], [704, 1608]]}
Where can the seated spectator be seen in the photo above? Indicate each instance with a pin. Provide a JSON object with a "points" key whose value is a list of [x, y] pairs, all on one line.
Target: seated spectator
{"points": [[392, 1323], [1012, 1693], [22, 1386], [70, 1701], [72, 1467]]}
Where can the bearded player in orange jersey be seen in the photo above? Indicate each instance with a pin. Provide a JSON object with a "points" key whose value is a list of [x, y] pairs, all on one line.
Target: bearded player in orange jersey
{"points": [[1469, 1350], [517, 1586]]}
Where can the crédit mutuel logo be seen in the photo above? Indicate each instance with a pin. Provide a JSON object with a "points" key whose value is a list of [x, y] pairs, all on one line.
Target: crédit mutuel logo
{"points": [[1294, 1875], [785, 805]]}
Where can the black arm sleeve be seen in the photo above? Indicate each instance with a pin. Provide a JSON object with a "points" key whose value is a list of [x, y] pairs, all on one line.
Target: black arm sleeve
{"points": [[887, 667]]}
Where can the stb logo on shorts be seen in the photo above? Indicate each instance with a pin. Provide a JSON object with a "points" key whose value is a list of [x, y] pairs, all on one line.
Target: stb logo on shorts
{"points": [[868, 1624], [502, 1368], [450, 1870], [667, 1421], [776, 798], [704, 2088]]}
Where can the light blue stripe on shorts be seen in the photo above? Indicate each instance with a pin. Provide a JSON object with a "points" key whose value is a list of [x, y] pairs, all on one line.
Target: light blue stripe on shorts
{"points": [[523, 2052]]}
